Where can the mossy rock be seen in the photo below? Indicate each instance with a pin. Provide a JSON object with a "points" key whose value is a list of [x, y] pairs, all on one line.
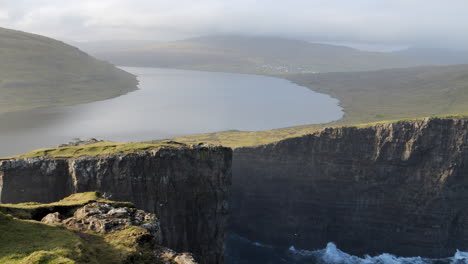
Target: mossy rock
{"points": [[32, 242], [66, 206]]}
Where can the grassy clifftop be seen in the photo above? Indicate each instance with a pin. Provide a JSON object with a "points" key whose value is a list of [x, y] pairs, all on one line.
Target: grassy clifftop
{"points": [[99, 148], [37, 71], [236, 139], [32, 210], [26, 240]]}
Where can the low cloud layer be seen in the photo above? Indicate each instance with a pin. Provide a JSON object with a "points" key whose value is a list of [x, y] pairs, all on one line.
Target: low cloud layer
{"points": [[383, 22]]}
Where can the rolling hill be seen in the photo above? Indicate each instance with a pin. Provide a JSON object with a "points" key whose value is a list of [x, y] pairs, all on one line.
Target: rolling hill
{"points": [[435, 55], [37, 71], [259, 55], [394, 93]]}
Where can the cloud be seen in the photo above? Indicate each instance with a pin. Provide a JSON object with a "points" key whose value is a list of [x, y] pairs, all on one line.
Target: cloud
{"points": [[390, 22]]}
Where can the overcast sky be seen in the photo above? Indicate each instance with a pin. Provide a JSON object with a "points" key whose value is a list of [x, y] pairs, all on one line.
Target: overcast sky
{"points": [[380, 22]]}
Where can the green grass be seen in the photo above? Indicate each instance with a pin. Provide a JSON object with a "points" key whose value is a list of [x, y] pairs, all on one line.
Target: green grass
{"points": [[394, 94], [237, 139], [31, 242], [67, 206], [39, 72], [24, 241], [100, 148], [449, 116]]}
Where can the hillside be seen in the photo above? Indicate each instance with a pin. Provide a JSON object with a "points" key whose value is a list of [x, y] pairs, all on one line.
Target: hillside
{"points": [[434, 55], [368, 97], [37, 71], [395, 93], [260, 55]]}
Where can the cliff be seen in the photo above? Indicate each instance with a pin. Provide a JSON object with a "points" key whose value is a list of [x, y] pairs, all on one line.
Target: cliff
{"points": [[398, 188], [82, 228], [186, 187]]}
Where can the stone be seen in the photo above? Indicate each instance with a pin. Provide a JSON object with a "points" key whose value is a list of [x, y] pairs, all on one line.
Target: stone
{"points": [[102, 218], [99, 217], [52, 218], [170, 257]]}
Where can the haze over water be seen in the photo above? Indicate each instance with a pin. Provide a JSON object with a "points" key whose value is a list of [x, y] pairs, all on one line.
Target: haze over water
{"points": [[172, 103]]}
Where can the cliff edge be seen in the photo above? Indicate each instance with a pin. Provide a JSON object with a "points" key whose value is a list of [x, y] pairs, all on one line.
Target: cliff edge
{"points": [[187, 187], [82, 228], [398, 188]]}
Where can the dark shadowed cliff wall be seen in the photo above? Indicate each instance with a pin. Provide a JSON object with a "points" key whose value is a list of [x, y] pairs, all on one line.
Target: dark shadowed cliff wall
{"points": [[400, 188], [187, 188]]}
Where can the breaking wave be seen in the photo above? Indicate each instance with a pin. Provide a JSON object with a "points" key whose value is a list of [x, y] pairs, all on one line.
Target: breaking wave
{"points": [[332, 255], [240, 250]]}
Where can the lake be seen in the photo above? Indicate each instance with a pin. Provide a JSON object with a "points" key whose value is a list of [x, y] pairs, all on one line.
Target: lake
{"points": [[172, 103]]}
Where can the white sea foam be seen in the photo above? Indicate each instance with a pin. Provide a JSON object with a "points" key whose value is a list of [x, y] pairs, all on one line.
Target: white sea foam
{"points": [[258, 244], [332, 255], [248, 241]]}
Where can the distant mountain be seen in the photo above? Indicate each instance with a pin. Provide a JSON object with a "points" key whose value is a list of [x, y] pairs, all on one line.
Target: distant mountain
{"points": [[263, 55], [36, 71], [435, 55], [100, 46]]}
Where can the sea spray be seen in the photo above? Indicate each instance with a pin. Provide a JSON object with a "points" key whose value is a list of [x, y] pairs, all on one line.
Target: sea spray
{"points": [[333, 255], [241, 250]]}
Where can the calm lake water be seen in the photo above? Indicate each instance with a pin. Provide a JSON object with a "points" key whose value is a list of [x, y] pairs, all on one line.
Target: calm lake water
{"points": [[171, 103]]}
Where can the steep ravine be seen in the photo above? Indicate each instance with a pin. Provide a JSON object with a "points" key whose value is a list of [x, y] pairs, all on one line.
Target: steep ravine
{"points": [[186, 187], [399, 188]]}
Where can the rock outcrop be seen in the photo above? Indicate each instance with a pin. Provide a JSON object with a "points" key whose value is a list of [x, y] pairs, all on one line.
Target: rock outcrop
{"points": [[186, 187], [101, 217], [102, 231], [399, 188]]}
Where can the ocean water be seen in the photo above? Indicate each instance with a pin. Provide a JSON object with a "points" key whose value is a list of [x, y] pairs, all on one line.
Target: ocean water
{"points": [[240, 250]]}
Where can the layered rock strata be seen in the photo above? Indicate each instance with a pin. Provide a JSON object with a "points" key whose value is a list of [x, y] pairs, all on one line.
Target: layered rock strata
{"points": [[186, 187], [399, 188]]}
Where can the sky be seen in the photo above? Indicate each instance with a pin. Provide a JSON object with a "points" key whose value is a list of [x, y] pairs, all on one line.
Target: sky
{"points": [[380, 23]]}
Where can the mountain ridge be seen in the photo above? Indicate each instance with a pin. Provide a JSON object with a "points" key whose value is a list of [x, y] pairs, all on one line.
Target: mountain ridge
{"points": [[257, 55]]}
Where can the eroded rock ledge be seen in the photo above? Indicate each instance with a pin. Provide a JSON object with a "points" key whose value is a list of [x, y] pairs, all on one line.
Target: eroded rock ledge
{"points": [[400, 188], [103, 231], [186, 187]]}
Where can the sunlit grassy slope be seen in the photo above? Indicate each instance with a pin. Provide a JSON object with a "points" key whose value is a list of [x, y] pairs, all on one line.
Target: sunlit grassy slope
{"points": [[66, 205], [36, 71], [395, 93], [25, 241], [100, 148], [237, 139]]}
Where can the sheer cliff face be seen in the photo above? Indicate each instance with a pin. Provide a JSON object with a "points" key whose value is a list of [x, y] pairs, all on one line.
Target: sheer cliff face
{"points": [[400, 188], [187, 188]]}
